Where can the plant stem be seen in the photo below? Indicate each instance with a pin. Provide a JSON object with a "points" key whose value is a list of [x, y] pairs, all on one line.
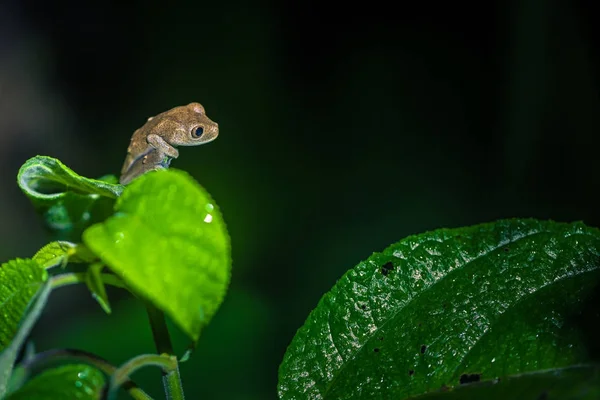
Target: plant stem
{"points": [[172, 384], [45, 358], [71, 278], [162, 340], [160, 332], [121, 374]]}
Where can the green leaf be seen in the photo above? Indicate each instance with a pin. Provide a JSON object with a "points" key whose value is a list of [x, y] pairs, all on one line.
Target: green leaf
{"points": [[169, 243], [572, 383], [24, 290], [46, 178], [74, 381], [493, 299], [61, 253], [20, 281], [95, 284], [69, 203]]}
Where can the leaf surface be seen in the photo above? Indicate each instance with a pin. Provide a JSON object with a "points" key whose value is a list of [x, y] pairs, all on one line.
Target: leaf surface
{"points": [[20, 281], [580, 382], [61, 253], [169, 243], [74, 381], [24, 290], [46, 178]]}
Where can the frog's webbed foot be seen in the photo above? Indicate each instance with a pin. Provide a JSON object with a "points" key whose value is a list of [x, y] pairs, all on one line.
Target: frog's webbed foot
{"points": [[162, 146]]}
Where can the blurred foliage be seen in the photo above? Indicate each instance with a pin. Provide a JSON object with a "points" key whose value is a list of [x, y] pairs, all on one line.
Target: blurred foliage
{"points": [[83, 383], [342, 130], [231, 349]]}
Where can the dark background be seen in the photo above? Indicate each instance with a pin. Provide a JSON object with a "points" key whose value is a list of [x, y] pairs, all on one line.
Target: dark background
{"points": [[343, 128]]}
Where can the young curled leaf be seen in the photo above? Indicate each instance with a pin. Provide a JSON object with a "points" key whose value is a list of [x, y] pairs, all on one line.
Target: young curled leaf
{"points": [[67, 202], [46, 178]]}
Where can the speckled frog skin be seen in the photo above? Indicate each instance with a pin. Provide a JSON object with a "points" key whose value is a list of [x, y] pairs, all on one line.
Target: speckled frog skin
{"points": [[154, 144]]}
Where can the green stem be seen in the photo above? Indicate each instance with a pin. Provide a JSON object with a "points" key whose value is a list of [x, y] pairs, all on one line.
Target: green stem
{"points": [[172, 383], [44, 359], [71, 278], [121, 375], [160, 332], [162, 340]]}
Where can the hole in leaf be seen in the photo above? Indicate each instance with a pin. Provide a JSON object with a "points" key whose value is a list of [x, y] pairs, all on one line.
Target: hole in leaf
{"points": [[387, 268], [469, 378], [376, 349], [423, 348], [411, 372]]}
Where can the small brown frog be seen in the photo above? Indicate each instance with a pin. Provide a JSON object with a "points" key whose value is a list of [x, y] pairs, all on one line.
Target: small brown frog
{"points": [[153, 145]]}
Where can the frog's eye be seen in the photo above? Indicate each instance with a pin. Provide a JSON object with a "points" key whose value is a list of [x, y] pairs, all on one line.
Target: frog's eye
{"points": [[197, 131]]}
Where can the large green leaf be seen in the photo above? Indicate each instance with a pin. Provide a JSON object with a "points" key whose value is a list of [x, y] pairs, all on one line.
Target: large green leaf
{"points": [[581, 382], [24, 289], [68, 202], [74, 381], [493, 300], [169, 243]]}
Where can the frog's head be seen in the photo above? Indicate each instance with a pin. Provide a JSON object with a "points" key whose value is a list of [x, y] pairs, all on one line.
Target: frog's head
{"points": [[193, 126]]}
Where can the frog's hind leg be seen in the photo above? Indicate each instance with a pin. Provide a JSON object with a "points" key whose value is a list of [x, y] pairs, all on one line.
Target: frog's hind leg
{"points": [[130, 160]]}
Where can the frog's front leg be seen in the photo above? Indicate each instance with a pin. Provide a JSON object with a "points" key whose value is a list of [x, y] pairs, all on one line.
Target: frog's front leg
{"points": [[162, 146]]}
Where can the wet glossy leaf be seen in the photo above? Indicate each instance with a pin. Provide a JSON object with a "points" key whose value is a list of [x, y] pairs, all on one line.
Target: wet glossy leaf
{"points": [[573, 383], [61, 253], [493, 299], [67, 202], [24, 290], [169, 243], [75, 381]]}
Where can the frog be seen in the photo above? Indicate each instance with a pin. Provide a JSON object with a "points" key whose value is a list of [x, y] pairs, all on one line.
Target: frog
{"points": [[153, 146]]}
